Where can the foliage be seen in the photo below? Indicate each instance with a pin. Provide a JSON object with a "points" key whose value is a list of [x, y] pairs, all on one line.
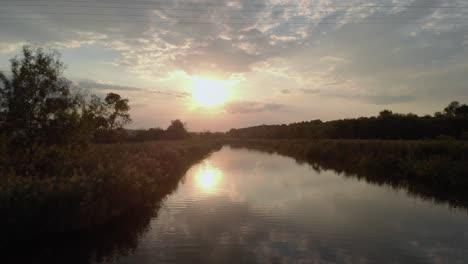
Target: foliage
{"points": [[42, 117], [117, 111], [453, 122], [107, 118], [454, 109], [38, 106], [145, 135], [176, 130], [209, 135]]}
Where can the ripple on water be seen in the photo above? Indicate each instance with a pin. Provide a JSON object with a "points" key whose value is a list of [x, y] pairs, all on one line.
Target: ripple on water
{"points": [[244, 206]]}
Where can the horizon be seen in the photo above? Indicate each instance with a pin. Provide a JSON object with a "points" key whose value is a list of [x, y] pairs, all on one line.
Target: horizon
{"points": [[293, 122], [235, 64]]}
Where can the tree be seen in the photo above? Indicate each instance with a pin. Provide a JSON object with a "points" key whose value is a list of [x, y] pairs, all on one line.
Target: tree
{"points": [[176, 130], [94, 113], [107, 118], [438, 114], [118, 108], [37, 105], [385, 113], [455, 109], [44, 119], [451, 109], [462, 111]]}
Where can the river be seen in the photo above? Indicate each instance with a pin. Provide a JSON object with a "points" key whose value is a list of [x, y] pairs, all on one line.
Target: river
{"points": [[244, 206]]}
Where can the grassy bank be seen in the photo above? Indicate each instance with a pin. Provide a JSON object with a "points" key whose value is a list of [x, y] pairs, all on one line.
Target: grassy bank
{"points": [[436, 170], [108, 180]]}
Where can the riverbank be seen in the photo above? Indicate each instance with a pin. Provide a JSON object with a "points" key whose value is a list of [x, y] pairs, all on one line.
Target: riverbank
{"points": [[436, 170], [108, 180], [111, 179]]}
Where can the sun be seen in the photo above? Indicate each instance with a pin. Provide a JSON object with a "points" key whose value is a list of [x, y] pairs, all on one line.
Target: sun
{"points": [[209, 92]]}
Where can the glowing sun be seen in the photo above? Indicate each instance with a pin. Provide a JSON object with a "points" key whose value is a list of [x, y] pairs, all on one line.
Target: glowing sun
{"points": [[209, 93]]}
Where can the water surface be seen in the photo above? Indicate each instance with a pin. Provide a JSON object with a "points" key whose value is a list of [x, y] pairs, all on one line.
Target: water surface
{"points": [[243, 206]]}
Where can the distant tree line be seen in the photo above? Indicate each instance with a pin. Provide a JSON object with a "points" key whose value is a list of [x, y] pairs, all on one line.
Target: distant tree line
{"points": [[452, 122], [175, 131]]}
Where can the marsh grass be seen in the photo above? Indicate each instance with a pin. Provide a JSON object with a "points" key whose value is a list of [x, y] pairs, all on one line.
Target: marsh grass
{"points": [[107, 180]]}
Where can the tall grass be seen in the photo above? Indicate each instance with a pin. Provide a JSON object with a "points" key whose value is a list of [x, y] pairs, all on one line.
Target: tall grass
{"points": [[107, 180], [436, 170]]}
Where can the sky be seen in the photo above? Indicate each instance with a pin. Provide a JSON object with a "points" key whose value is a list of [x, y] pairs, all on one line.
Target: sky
{"points": [[223, 64]]}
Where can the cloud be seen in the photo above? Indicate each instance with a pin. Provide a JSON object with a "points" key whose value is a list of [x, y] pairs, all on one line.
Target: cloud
{"points": [[106, 86], [182, 95], [243, 107], [377, 99], [87, 84], [7, 47], [288, 46], [310, 91], [386, 99]]}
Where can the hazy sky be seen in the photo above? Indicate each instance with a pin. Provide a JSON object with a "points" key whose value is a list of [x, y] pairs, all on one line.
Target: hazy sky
{"points": [[276, 61]]}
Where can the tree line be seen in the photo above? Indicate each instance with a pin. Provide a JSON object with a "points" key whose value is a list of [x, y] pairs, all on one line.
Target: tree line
{"points": [[177, 130], [452, 122]]}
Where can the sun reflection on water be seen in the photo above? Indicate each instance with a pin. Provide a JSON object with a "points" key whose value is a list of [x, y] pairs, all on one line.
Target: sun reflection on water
{"points": [[208, 177]]}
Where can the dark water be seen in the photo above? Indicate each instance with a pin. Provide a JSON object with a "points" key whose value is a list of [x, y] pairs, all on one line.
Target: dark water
{"points": [[242, 206]]}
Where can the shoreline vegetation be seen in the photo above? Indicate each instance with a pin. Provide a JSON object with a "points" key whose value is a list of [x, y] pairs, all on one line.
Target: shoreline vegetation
{"points": [[119, 187], [108, 181], [111, 179], [432, 170]]}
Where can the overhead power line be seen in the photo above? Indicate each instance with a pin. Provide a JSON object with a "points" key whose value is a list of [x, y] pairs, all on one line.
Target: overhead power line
{"points": [[196, 22], [194, 16], [48, 3], [455, 15], [7, 11]]}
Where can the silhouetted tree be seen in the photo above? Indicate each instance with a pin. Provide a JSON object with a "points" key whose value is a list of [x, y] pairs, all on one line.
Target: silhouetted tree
{"points": [[145, 135], [94, 113], [385, 113], [43, 119], [462, 111], [176, 130], [107, 118], [118, 109], [451, 109], [38, 106]]}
